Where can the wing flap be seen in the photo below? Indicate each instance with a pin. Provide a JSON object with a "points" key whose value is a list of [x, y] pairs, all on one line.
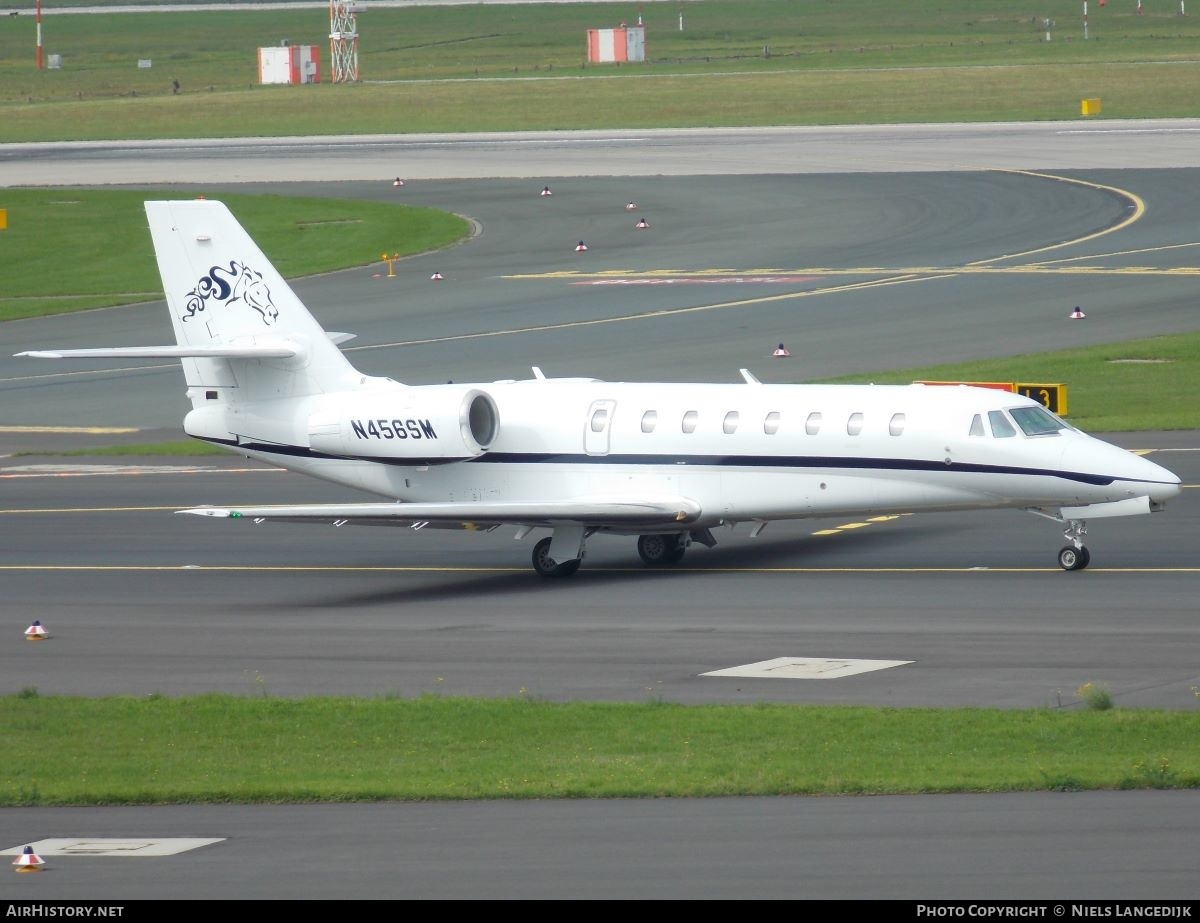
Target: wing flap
{"points": [[586, 511]]}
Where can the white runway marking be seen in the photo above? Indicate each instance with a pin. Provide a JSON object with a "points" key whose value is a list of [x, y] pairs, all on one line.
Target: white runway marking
{"points": [[807, 668], [110, 846]]}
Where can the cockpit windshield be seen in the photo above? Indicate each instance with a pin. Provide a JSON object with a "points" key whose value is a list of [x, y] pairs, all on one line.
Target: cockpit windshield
{"points": [[1037, 421], [1001, 428]]}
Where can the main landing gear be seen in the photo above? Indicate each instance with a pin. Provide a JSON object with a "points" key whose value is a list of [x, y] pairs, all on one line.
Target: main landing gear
{"points": [[561, 554], [546, 566], [1074, 556], [662, 550]]}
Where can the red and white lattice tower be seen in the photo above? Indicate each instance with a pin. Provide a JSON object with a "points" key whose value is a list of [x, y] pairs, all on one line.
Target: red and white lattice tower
{"points": [[343, 40]]}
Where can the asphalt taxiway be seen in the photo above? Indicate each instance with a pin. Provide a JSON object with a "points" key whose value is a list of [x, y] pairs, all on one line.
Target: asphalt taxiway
{"points": [[856, 273]]}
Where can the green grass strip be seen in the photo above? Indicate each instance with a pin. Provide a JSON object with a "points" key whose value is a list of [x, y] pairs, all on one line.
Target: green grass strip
{"points": [[1139, 385], [514, 67], [222, 748], [71, 249]]}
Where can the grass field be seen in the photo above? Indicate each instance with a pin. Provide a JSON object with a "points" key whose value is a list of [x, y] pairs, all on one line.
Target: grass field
{"points": [[220, 748], [737, 62], [58, 248]]}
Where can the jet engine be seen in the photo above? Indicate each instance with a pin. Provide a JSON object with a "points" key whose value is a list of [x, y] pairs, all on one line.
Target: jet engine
{"points": [[430, 423]]}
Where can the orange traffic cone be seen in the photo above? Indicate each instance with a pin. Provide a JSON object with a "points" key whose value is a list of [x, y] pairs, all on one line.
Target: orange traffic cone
{"points": [[398, 182], [642, 224], [436, 276], [28, 861], [1077, 314], [632, 206], [36, 632], [580, 247], [546, 191], [780, 352]]}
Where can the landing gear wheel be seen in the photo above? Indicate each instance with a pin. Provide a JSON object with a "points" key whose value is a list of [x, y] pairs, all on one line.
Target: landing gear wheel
{"points": [[1072, 558], [546, 565], [661, 550]]}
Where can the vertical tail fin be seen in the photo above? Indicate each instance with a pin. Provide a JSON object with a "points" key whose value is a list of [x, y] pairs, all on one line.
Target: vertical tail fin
{"points": [[239, 326]]}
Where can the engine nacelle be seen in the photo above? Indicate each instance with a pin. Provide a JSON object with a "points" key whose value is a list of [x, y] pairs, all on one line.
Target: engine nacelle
{"points": [[422, 423]]}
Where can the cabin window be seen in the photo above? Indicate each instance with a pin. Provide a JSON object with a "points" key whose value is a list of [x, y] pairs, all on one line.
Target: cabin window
{"points": [[689, 421], [854, 425], [896, 424], [731, 422], [812, 425], [599, 420], [977, 426], [1001, 428], [771, 423], [1036, 421], [649, 421]]}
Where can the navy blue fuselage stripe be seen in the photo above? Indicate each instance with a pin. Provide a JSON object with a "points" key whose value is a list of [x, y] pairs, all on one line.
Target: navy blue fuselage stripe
{"points": [[697, 461]]}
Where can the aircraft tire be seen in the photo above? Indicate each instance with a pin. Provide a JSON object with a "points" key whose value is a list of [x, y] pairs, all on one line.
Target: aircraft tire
{"points": [[661, 550], [546, 566], [1072, 558]]}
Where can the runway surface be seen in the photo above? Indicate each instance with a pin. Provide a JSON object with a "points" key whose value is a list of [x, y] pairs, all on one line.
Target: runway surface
{"points": [[856, 272]]}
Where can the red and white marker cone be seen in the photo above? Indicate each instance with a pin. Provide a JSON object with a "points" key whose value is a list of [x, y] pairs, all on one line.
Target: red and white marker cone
{"points": [[580, 247], [631, 207], [36, 632], [1077, 314], [436, 276], [398, 182], [28, 861], [545, 191], [780, 352], [642, 224]]}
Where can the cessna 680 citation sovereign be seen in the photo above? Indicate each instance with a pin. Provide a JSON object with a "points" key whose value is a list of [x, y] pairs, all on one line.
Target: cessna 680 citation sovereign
{"points": [[665, 462]]}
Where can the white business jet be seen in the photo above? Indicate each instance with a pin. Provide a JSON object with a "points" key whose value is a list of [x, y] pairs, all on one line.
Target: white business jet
{"points": [[668, 463]]}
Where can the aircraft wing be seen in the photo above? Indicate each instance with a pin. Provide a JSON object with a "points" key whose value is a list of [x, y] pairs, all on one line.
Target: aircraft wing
{"points": [[587, 511]]}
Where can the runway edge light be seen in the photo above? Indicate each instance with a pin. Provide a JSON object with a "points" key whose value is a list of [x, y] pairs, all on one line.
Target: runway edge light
{"points": [[36, 631], [28, 861]]}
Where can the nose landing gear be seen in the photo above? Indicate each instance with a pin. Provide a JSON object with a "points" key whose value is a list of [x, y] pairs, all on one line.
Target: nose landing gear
{"points": [[1074, 556]]}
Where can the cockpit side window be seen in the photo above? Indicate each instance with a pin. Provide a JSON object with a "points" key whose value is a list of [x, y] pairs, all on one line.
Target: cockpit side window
{"points": [[976, 425], [1037, 421], [1001, 428]]}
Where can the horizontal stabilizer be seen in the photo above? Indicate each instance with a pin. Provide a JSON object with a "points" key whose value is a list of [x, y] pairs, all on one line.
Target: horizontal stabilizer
{"points": [[587, 511], [252, 351]]}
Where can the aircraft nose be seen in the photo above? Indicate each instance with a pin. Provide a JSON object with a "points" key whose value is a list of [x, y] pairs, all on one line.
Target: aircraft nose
{"points": [[1131, 472], [1166, 484], [1154, 480]]}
